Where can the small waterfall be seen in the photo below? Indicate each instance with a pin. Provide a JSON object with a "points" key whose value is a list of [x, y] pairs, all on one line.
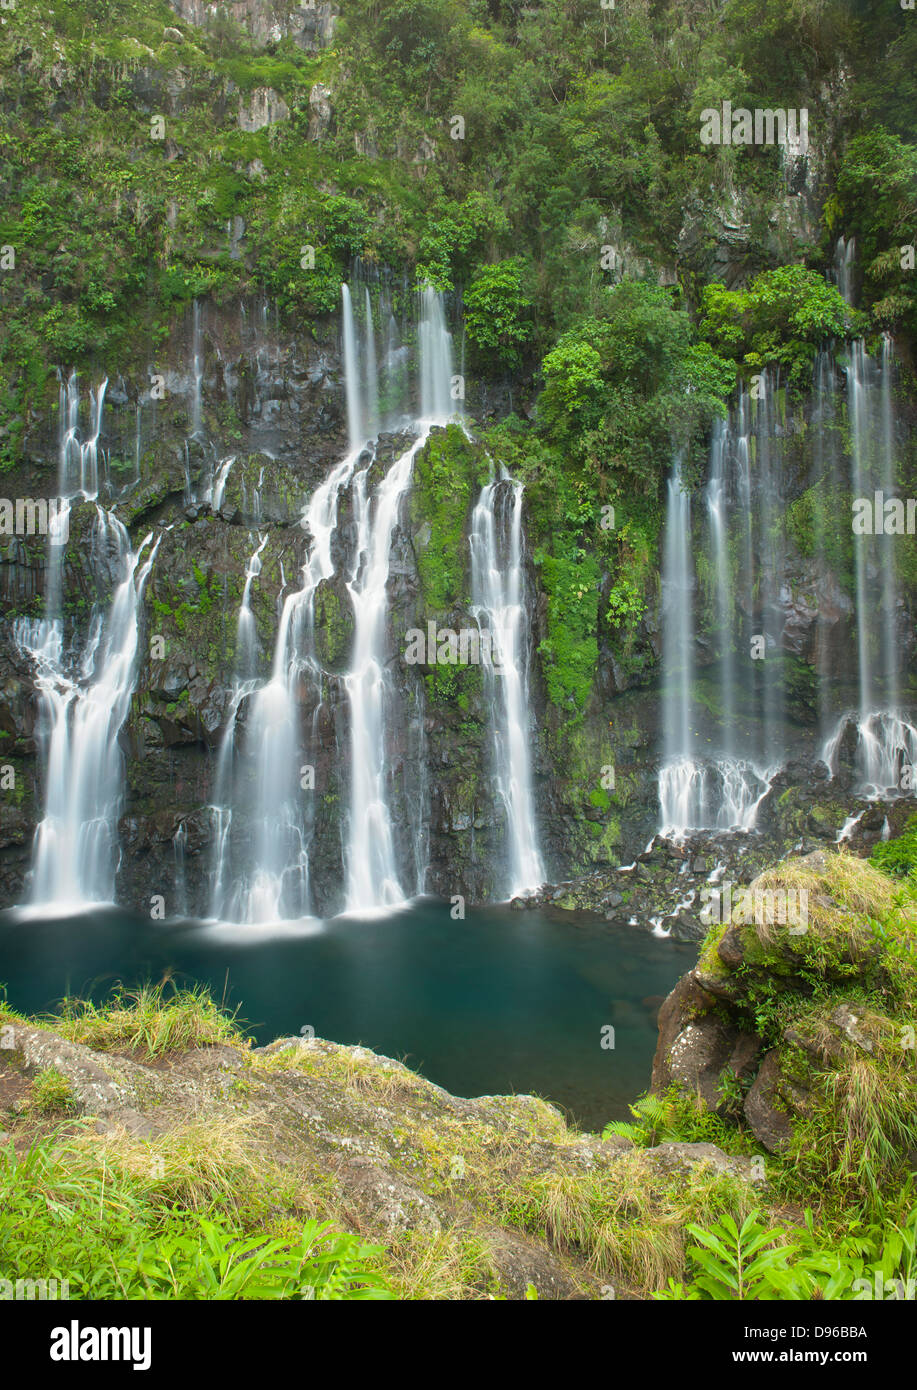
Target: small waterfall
{"points": [[246, 632], [85, 699], [498, 606], [369, 854], [886, 738], [723, 791], [826, 479], [355, 415], [859, 443], [677, 621], [888, 480], [435, 349], [79, 461], [372, 371], [219, 486], [717, 503], [197, 370]]}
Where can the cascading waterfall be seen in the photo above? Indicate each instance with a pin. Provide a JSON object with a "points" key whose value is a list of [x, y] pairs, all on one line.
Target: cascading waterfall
{"points": [[749, 598], [369, 853], [498, 606], [274, 883], [721, 791], [86, 697], [886, 738], [85, 693]]}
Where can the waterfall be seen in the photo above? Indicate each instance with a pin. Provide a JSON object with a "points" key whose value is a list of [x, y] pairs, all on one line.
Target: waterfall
{"points": [[886, 738], [372, 875], [369, 854], [197, 370], [435, 348], [246, 633], [498, 606], [722, 791], [262, 870], [85, 701], [219, 486], [356, 432], [677, 624], [717, 502], [273, 884], [372, 371], [888, 484]]}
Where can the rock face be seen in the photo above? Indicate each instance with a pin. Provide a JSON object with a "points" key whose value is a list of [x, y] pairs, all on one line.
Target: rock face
{"points": [[309, 25], [264, 107], [273, 425], [401, 1155]]}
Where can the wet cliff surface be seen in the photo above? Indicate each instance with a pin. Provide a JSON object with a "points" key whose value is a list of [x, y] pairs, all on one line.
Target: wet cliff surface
{"points": [[216, 490]]}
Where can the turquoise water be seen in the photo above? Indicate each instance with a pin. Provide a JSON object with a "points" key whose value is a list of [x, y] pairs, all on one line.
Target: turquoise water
{"points": [[503, 1001]]}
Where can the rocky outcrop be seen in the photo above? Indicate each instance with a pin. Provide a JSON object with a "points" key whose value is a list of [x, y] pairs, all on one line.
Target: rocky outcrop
{"points": [[770, 1025], [399, 1158], [263, 107], [310, 25]]}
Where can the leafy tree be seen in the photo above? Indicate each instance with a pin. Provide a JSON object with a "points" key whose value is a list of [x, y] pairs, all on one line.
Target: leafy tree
{"points": [[496, 312]]}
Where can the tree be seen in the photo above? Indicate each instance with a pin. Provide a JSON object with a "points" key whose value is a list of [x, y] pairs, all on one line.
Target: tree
{"points": [[496, 312]]}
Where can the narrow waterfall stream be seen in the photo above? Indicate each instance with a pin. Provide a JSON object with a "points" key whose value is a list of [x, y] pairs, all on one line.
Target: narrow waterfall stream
{"points": [[85, 687], [498, 605], [886, 737]]}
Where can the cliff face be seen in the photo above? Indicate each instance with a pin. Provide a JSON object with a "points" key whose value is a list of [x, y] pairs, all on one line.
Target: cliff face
{"points": [[272, 426]]}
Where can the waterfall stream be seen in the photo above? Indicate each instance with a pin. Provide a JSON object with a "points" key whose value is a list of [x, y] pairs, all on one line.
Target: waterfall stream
{"points": [[85, 697], [718, 761], [85, 688], [266, 875], [498, 605]]}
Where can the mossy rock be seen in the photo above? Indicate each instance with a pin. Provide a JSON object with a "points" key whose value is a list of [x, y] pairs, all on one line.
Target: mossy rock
{"points": [[334, 624]]}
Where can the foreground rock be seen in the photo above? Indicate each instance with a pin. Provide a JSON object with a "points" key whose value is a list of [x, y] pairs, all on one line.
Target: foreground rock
{"points": [[800, 1030], [499, 1182]]}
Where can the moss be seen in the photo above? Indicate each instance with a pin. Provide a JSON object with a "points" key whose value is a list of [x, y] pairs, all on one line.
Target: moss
{"points": [[445, 477]]}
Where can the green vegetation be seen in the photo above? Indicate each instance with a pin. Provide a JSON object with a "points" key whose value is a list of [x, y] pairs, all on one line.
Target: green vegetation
{"points": [[779, 321], [753, 1261], [834, 1005], [447, 474], [51, 1092], [147, 1021], [898, 856], [71, 1211]]}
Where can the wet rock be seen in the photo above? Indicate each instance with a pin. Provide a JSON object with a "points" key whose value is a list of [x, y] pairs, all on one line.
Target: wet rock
{"points": [[765, 1107]]}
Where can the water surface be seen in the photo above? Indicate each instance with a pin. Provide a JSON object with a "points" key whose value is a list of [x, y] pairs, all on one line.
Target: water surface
{"points": [[503, 1001]]}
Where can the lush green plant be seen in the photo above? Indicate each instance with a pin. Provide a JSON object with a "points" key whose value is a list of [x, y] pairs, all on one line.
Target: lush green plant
{"points": [[63, 1216], [779, 321], [898, 856], [496, 312], [51, 1091], [753, 1261]]}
